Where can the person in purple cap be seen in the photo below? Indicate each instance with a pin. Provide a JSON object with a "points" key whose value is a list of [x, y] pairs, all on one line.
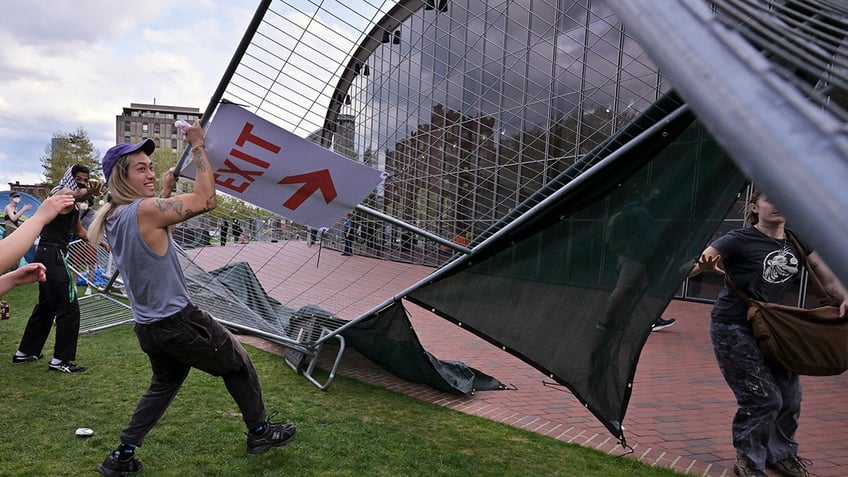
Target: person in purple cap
{"points": [[57, 296], [175, 334]]}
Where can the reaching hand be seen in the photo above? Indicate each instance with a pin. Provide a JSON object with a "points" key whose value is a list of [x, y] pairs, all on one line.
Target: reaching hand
{"points": [[710, 263], [194, 135], [168, 180], [29, 273], [55, 205], [95, 188], [26, 207]]}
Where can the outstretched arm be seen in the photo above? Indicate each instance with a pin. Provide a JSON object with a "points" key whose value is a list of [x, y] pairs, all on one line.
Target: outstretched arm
{"points": [[13, 247], [708, 261], [16, 214], [166, 211], [31, 272], [92, 188]]}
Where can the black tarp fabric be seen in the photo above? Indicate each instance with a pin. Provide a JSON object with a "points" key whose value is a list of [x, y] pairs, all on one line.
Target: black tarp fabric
{"points": [[388, 338], [554, 292]]}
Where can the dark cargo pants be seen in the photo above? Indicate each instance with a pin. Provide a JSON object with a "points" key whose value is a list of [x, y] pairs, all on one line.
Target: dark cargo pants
{"points": [[57, 302], [192, 339]]}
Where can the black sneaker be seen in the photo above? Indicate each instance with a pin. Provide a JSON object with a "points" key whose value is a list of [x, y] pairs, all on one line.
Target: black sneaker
{"points": [[66, 367], [791, 467], [115, 467], [662, 324], [275, 435], [26, 359], [745, 468]]}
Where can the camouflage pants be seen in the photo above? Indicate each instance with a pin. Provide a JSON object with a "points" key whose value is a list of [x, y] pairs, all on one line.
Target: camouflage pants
{"points": [[769, 398]]}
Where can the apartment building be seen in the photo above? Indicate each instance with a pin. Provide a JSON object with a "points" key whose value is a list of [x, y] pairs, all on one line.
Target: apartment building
{"points": [[154, 121]]}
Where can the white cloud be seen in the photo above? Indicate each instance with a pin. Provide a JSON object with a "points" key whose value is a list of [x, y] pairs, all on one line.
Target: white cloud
{"points": [[69, 65]]}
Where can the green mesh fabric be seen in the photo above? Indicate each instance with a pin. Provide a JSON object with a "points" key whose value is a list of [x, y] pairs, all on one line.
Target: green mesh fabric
{"points": [[389, 340], [558, 293]]}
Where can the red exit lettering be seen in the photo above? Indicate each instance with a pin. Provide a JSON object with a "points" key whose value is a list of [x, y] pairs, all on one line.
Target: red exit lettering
{"points": [[238, 177]]}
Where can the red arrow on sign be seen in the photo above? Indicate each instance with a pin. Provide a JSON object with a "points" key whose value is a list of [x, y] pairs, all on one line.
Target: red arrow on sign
{"points": [[312, 181]]}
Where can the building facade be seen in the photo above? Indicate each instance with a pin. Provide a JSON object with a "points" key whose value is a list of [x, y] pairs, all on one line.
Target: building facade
{"points": [[143, 121], [471, 107], [35, 190]]}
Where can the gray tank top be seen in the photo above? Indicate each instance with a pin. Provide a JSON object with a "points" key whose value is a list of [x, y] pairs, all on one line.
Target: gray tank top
{"points": [[154, 283]]}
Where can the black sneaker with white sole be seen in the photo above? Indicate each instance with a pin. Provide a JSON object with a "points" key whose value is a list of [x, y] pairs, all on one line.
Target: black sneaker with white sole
{"points": [[274, 435], [661, 324], [17, 359], [115, 467], [66, 367]]}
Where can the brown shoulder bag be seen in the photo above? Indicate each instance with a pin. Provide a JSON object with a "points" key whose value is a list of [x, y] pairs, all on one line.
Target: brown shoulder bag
{"points": [[811, 342]]}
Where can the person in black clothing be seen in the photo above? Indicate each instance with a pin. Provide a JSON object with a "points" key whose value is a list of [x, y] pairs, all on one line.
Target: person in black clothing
{"points": [[225, 230], [57, 298], [312, 236], [347, 232], [237, 231], [763, 260], [631, 235]]}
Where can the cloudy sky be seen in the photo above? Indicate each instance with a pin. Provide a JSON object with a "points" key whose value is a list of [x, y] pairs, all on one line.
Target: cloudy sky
{"points": [[69, 65]]}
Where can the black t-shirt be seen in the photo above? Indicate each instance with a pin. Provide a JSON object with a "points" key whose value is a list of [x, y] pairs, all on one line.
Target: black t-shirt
{"points": [[763, 267], [58, 231]]}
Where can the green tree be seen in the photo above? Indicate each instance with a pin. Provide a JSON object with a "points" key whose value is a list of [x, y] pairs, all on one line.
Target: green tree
{"points": [[67, 150], [163, 159]]}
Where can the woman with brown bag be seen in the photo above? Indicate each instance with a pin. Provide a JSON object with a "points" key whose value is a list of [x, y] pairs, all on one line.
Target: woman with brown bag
{"points": [[763, 261]]}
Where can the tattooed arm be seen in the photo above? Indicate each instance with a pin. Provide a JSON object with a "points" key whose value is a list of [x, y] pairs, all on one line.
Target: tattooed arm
{"points": [[157, 214], [829, 281]]}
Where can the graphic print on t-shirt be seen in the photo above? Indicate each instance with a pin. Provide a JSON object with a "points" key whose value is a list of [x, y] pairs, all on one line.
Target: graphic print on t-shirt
{"points": [[779, 266]]}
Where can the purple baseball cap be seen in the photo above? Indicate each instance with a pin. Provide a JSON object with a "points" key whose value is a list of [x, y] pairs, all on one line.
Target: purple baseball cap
{"points": [[116, 152]]}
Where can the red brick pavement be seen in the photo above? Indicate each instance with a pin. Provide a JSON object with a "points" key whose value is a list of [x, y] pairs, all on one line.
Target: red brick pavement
{"points": [[680, 412]]}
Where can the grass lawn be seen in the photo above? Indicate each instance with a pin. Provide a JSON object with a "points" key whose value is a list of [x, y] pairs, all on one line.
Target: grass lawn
{"points": [[353, 429]]}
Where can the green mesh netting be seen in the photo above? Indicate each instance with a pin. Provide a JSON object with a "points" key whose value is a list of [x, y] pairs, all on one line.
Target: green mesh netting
{"points": [[573, 292]]}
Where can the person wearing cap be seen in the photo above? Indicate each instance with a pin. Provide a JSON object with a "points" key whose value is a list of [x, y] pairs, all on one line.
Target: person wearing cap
{"points": [[12, 217], [57, 297], [12, 248], [175, 334]]}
